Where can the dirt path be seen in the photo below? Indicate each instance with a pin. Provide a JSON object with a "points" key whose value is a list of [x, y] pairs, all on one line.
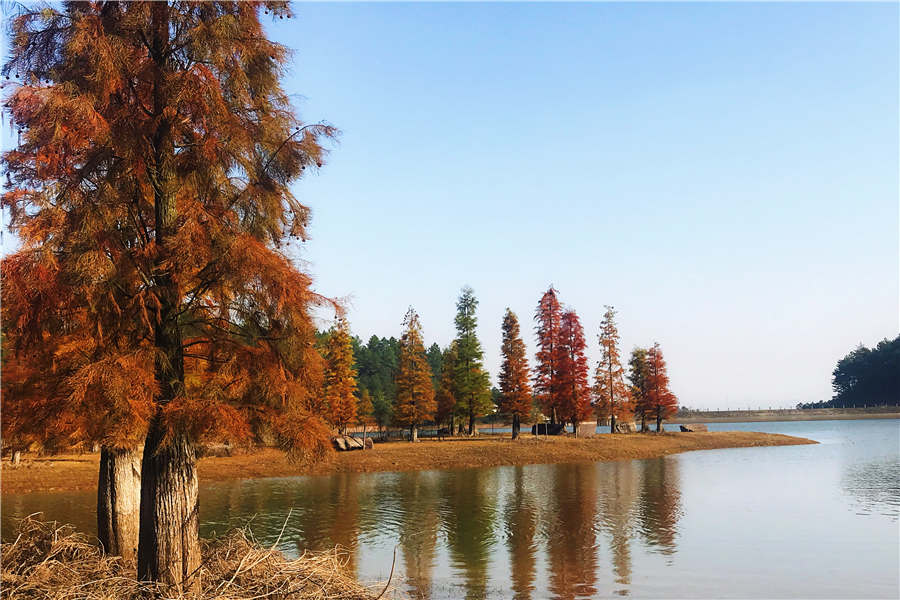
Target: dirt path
{"points": [[79, 471]]}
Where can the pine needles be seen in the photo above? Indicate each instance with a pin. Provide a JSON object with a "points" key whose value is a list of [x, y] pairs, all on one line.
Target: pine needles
{"points": [[53, 562]]}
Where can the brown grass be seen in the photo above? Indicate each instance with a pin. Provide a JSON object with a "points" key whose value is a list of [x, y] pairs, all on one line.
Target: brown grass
{"points": [[52, 562], [73, 472]]}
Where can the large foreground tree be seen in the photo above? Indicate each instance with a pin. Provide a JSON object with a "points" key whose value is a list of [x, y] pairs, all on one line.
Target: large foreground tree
{"points": [[153, 292], [514, 386]]}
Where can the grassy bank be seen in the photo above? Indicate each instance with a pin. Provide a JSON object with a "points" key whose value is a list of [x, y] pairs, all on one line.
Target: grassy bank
{"points": [[79, 471]]}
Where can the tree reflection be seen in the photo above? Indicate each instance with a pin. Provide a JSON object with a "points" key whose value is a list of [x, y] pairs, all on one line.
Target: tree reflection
{"points": [[520, 518], [617, 500], [571, 548], [418, 524], [659, 504], [468, 518], [328, 515]]}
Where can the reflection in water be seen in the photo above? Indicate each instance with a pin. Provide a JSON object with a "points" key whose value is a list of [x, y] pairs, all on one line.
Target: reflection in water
{"points": [[520, 517], [569, 529], [875, 485], [419, 524], [615, 511], [658, 503], [468, 514], [578, 530]]}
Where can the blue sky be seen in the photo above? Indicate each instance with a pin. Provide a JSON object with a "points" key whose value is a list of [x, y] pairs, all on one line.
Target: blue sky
{"points": [[725, 175]]}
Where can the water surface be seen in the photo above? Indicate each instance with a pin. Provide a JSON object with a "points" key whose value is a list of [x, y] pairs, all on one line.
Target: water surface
{"points": [[784, 522]]}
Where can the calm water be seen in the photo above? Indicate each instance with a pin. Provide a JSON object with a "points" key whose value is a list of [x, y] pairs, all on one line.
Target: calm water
{"points": [[791, 522]]}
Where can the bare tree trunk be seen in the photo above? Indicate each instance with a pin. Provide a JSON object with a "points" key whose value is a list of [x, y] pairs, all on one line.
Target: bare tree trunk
{"points": [[119, 501], [612, 423], [364, 436], [413, 433], [471, 417], [515, 426], [658, 422], [169, 544]]}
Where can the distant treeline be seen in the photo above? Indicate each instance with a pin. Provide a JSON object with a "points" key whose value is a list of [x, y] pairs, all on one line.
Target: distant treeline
{"points": [[866, 377]]}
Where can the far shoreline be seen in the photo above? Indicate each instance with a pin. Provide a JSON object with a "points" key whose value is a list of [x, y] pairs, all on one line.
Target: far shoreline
{"points": [[73, 472]]}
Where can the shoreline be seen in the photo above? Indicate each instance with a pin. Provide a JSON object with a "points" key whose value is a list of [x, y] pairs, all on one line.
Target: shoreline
{"points": [[73, 472]]}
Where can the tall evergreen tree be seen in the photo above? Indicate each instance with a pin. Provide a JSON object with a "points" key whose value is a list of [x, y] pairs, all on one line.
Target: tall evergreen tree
{"points": [[574, 391], [514, 385], [415, 392], [435, 357], [151, 190], [660, 400], [546, 371], [446, 392], [612, 398], [637, 375], [340, 378], [472, 382]]}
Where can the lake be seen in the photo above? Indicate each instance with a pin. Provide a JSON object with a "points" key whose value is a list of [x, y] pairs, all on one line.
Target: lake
{"points": [[814, 521]]}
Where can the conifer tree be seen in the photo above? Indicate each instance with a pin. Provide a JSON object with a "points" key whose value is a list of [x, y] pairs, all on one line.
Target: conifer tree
{"points": [[415, 393], [661, 402], [472, 384], [514, 385], [612, 398], [340, 378], [546, 372], [446, 391], [574, 392], [365, 412], [151, 192], [637, 375]]}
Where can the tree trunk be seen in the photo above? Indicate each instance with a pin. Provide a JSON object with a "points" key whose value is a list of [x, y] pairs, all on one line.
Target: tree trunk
{"points": [[364, 436], [16, 458], [612, 423], [515, 426], [169, 544], [471, 421], [574, 427], [553, 416], [413, 433], [643, 422], [658, 422], [119, 501]]}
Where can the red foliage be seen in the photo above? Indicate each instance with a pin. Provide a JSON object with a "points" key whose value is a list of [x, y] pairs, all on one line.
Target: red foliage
{"points": [[546, 371], [514, 386], [661, 402], [574, 391]]}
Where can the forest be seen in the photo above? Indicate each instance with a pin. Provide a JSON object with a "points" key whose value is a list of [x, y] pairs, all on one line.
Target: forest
{"points": [[865, 377]]}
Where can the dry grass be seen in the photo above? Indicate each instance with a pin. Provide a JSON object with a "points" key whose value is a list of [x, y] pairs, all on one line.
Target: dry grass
{"points": [[53, 562], [74, 472]]}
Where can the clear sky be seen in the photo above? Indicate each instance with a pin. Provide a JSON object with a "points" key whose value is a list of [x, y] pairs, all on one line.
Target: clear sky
{"points": [[725, 175]]}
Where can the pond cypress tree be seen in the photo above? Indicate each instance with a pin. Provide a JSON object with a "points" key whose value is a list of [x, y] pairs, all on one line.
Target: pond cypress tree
{"points": [[151, 191]]}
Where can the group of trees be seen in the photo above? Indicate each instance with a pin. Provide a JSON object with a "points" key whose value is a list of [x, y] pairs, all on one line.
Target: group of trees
{"points": [[866, 377], [396, 374]]}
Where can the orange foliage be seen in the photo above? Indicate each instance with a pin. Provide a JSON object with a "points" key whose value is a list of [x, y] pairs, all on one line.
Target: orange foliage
{"points": [[661, 402], [613, 399], [151, 193], [574, 391], [514, 386]]}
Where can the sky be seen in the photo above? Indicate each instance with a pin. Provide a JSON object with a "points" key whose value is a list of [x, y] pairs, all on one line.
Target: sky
{"points": [[725, 175]]}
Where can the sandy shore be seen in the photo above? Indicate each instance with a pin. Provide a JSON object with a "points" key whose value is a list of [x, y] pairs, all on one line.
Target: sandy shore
{"points": [[79, 471]]}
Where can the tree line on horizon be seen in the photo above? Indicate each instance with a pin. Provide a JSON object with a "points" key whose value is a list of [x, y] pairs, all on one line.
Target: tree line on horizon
{"points": [[865, 377], [400, 383]]}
